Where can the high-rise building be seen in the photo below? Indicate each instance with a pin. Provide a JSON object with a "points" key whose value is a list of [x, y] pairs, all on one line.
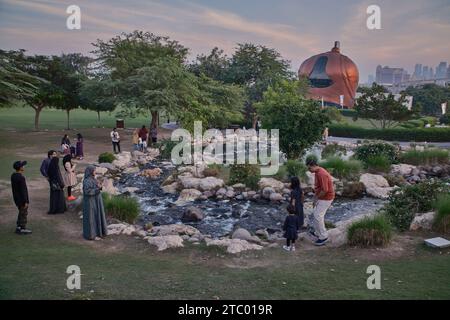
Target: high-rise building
{"points": [[371, 79], [425, 72], [418, 75], [441, 70], [431, 73], [387, 75], [448, 72]]}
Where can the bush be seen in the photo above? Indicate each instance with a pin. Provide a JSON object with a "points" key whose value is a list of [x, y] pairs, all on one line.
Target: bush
{"points": [[248, 174], [375, 164], [445, 119], [442, 219], [394, 134], [295, 168], [211, 171], [165, 147], [348, 113], [333, 149], [122, 208], [342, 169], [106, 157], [405, 202], [426, 157], [370, 231], [374, 149], [395, 180]]}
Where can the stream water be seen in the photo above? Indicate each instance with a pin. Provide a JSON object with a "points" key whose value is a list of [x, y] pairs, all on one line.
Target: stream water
{"points": [[223, 216]]}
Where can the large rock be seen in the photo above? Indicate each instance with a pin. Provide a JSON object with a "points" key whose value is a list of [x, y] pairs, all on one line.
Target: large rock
{"points": [[123, 160], [402, 169], [131, 170], [121, 228], [151, 173], [166, 242], [108, 187], [376, 186], [189, 182], [278, 186], [243, 234], [266, 192], [107, 165], [171, 188], [187, 195], [353, 190], [423, 221], [101, 171], [174, 229], [233, 245], [192, 214], [210, 183], [276, 197]]}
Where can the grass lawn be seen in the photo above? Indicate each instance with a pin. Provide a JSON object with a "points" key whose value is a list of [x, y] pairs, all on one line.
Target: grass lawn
{"points": [[22, 118]]}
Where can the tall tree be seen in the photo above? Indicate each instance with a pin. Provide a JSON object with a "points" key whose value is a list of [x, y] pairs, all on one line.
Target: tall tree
{"points": [[377, 104], [429, 98], [215, 65], [99, 95], [300, 121], [256, 67]]}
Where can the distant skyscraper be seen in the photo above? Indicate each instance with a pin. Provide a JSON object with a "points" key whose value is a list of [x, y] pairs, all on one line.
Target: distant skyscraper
{"points": [[418, 75], [448, 72], [425, 72], [371, 79], [386, 75], [441, 70], [431, 73]]}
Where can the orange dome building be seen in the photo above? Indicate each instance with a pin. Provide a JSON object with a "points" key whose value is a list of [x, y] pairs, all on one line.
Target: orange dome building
{"points": [[333, 77]]}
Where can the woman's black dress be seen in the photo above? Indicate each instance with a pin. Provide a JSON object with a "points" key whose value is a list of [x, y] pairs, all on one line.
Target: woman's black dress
{"points": [[296, 194], [57, 200]]}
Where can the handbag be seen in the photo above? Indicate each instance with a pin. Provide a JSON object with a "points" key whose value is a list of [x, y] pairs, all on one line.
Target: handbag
{"points": [[54, 186]]}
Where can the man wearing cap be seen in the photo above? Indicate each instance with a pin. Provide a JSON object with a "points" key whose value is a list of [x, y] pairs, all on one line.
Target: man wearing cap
{"points": [[20, 195]]}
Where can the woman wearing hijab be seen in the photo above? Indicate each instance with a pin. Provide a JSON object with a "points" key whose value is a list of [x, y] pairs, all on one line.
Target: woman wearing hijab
{"points": [[94, 220], [57, 201], [69, 177], [79, 152]]}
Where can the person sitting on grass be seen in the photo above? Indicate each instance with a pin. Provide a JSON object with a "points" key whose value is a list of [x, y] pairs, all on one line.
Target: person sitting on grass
{"points": [[290, 227]]}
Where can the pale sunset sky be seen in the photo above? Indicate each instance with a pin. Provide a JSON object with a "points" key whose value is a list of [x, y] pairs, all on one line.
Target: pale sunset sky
{"points": [[413, 31]]}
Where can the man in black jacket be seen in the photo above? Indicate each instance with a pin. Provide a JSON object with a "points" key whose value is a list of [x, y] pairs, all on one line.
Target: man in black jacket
{"points": [[20, 195]]}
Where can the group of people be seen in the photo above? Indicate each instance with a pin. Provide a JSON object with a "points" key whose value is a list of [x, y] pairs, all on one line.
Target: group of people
{"points": [[323, 197], [139, 138], [94, 219], [75, 151]]}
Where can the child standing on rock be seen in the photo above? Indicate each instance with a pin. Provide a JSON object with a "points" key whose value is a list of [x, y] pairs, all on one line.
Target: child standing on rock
{"points": [[290, 228]]}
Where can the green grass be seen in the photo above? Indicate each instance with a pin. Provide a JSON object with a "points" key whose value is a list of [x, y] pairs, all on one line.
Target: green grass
{"points": [[122, 208], [22, 118], [34, 267], [370, 231], [426, 157], [106, 157], [376, 164], [442, 219], [342, 169]]}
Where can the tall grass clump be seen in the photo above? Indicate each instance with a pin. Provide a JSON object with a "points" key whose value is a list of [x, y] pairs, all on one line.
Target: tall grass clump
{"points": [[295, 168], [333, 149], [342, 169], [370, 232], [122, 208], [380, 163], [442, 219], [426, 157], [248, 174], [106, 157], [165, 147]]}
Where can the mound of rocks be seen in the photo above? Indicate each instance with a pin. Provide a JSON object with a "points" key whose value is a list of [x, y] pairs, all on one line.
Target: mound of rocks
{"points": [[376, 185]]}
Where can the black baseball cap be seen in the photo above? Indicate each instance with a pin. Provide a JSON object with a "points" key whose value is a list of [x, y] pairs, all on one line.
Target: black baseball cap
{"points": [[19, 164]]}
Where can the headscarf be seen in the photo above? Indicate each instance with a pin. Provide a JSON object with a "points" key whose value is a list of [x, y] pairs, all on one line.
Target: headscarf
{"points": [[53, 169], [90, 186]]}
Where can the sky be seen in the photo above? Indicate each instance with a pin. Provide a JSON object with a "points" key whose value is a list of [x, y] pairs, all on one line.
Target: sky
{"points": [[412, 31]]}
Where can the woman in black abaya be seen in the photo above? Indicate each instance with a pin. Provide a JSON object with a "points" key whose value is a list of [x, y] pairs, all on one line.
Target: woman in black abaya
{"points": [[57, 200]]}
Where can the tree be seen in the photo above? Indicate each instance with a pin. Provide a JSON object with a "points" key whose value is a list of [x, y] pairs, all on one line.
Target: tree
{"points": [[429, 98], [256, 67], [215, 65], [377, 104], [99, 95], [15, 84], [300, 121]]}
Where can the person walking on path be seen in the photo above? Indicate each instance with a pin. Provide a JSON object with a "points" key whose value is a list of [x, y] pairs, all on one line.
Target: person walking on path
{"points": [[69, 176], [135, 139], [290, 227], [79, 147], [115, 138], [143, 134], [94, 220], [324, 196], [297, 199], [20, 195], [57, 201]]}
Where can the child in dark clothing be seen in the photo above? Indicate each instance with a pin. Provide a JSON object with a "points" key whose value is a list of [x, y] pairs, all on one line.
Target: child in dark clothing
{"points": [[290, 228]]}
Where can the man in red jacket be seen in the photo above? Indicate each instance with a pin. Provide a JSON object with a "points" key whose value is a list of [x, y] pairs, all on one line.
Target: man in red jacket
{"points": [[324, 196]]}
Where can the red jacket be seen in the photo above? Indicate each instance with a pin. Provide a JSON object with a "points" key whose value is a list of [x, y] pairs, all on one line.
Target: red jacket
{"points": [[324, 182]]}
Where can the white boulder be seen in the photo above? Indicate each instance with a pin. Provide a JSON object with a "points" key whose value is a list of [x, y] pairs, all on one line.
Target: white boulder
{"points": [[174, 229], [423, 221], [278, 186], [166, 242], [187, 195], [171, 188], [402, 169], [376, 185], [210, 183], [233, 245]]}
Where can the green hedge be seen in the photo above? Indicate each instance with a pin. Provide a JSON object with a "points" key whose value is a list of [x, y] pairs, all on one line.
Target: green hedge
{"points": [[395, 134]]}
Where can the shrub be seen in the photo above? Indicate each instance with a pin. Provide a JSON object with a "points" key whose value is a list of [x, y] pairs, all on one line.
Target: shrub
{"points": [[213, 170], [379, 163], [122, 208], [295, 168], [374, 149], [333, 149], [393, 134], [370, 231], [426, 157], [405, 202], [445, 119], [165, 147], [311, 156], [342, 169], [395, 180], [106, 157], [248, 174], [442, 219]]}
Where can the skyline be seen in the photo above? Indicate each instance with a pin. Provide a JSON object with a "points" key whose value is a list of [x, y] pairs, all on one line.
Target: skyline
{"points": [[413, 31]]}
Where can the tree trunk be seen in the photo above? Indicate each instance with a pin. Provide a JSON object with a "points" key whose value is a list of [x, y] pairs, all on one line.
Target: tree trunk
{"points": [[98, 117], [154, 122], [254, 121], [37, 113], [68, 118]]}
